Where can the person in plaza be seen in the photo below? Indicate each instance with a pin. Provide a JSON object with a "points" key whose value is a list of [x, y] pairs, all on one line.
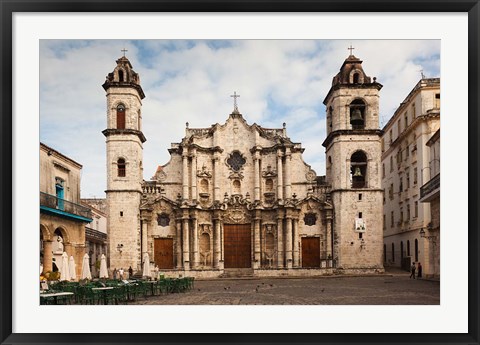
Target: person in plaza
{"points": [[419, 270], [412, 275], [156, 272], [130, 272], [114, 274], [120, 272]]}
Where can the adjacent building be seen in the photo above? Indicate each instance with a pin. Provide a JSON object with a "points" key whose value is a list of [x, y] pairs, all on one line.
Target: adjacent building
{"points": [[96, 233], [238, 197], [406, 165], [62, 216]]}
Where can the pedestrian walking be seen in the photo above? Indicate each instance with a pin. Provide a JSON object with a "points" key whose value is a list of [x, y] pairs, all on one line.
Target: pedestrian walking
{"points": [[114, 273], [419, 270], [120, 272], [130, 272], [412, 275]]}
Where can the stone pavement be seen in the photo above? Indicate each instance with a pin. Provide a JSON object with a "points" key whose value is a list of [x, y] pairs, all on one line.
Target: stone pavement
{"points": [[391, 288]]}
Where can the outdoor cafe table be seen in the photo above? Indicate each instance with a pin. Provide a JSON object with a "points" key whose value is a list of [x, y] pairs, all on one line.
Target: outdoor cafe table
{"points": [[104, 290], [55, 295]]}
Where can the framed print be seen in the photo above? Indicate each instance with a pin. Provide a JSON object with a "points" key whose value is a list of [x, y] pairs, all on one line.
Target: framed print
{"points": [[300, 216]]}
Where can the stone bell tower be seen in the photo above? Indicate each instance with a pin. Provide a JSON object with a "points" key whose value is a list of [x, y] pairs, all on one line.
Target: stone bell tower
{"points": [[124, 139], [353, 158]]}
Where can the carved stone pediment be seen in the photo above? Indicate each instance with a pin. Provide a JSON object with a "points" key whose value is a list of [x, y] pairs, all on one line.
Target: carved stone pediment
{"points": [[204, 172], [269, 172]]}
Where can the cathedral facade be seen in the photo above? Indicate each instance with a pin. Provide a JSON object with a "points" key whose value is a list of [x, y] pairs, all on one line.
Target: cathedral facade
{"points": [[238, 199]]}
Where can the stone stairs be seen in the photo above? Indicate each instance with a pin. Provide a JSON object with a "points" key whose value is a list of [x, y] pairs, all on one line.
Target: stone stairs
{"points": [[237, 273]]}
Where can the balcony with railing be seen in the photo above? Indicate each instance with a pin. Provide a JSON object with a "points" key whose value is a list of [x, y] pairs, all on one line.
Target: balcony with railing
{"points": [[93, 235], [51, 204], [430, 189]]}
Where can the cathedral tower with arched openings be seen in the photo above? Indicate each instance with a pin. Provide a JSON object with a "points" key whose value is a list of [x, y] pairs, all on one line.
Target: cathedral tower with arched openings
{"points": [[353, 156], [124, 141]]}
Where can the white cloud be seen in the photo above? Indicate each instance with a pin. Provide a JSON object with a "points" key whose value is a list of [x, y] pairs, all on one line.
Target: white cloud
{"points": [[191, 81]]}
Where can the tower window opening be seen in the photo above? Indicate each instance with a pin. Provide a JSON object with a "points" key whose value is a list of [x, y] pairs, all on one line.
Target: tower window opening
{"points": [[358, 169], [357, 114], [120, 116], [121, 76], [121, 167], [356, 78]]}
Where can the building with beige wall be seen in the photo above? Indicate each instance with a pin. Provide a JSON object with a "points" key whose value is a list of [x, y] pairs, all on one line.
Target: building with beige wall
{"points": [[430, 193], [238, 198], [96, 233], [62, 217], [406, 166]]}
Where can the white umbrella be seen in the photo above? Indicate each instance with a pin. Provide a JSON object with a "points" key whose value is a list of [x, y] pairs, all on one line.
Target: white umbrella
{"points": [[64, 271], [146, 266], [72, 268], [86, 267], [103, 267]]}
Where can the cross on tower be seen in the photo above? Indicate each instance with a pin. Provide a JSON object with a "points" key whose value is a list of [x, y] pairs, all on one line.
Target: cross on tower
{"points": [[235, 96], [350, 48], [124, 50]]}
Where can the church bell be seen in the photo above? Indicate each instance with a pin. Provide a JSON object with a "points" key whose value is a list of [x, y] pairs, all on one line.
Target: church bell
{"points": [[357, 172], [356, 115]]}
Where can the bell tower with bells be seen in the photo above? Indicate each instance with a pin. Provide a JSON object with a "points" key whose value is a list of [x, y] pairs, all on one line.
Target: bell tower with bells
{"points": [[353, 159], [124, 141]]}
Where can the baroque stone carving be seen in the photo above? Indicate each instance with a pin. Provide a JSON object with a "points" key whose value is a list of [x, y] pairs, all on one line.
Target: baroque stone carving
{"points": [[163, 219], [310, 219], [269, 172]]}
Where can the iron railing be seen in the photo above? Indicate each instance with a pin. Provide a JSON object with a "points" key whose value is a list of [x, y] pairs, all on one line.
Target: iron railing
{"points": [[51, 201], [93, 235], [430, 186]]}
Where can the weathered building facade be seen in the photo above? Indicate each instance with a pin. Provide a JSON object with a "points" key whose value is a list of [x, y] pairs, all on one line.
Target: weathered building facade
{"points": [[406, 165], [237, 198]]}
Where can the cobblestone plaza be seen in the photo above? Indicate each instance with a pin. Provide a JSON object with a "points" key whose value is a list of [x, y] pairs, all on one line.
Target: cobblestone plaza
{"points": [[393, 288]]}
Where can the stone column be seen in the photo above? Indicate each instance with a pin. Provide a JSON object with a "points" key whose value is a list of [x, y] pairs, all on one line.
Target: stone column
{"points": [[67, 248], [280, 242], [179, 243], [288, 242], [194, 174], [195, 244], [47, 256], [216, 244], [144, 238], [216, 177], [186, 244], [296, 252], [256, 160], [288, 184], [185, 174], [257, 250], [328, 241], [280, 175]]}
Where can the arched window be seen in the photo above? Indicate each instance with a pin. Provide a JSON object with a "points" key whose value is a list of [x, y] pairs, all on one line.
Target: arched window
{"points": [[393, 252], [120, 76], [401, 251], [356, 77], [357, 114], [120, 116], [358, 169], [408, 247], [121, 167]]}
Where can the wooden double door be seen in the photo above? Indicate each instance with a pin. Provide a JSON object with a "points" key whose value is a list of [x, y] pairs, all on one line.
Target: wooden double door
{"points": [[237, 246], [163, 253], [310, 252]]}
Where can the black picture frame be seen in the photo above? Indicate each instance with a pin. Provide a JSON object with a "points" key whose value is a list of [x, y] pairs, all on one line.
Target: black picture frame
{"points": [[9, 7]]}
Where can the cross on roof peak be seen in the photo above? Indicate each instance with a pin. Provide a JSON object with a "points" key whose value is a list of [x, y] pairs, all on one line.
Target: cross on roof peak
{"points": [[124, 50], [235, 96], [351, 49]]}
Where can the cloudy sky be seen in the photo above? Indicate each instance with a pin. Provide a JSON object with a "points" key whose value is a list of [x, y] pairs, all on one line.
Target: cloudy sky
{"points": [[192, 80]]}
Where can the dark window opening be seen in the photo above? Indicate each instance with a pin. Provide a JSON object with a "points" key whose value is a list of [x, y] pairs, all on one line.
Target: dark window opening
{"points": [[416, 250], [358, 169], [357, 114], [360, 235], [360, 197], [356, 78], [359, 214], [393, 252], [121, 213], [120, 75], [121, 167]]}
